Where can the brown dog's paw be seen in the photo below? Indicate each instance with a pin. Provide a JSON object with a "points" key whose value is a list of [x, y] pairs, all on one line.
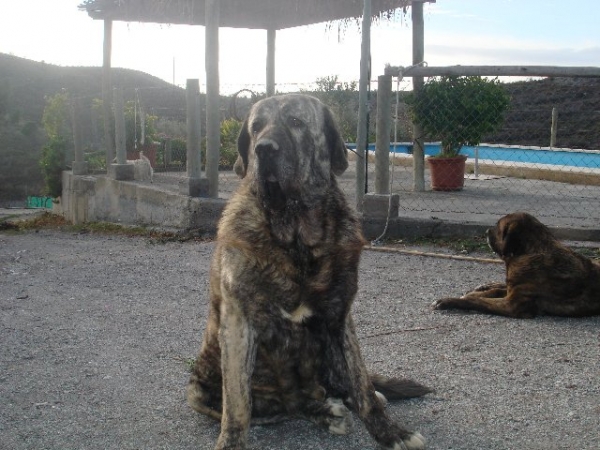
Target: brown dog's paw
{"points": [[412, 442], [443, 303], [488, 286]]}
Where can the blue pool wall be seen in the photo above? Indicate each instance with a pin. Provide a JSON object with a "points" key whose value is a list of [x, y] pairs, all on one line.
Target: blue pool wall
{"points": [[512, 153]]}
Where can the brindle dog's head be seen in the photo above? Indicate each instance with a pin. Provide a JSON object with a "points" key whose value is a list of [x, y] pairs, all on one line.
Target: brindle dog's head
{"points": [[518, 234], [290, 149]]}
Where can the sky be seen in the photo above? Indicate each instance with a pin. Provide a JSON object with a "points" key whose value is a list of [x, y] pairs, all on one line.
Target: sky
{"points": [[465, 32]]}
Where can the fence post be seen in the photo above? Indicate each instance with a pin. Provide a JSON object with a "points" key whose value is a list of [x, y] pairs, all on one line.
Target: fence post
{"points": [[418, 55], [121, 170], [109, 137], [383, 129], [362, 138], [193, 185], [553, 127], [79, 165], [213, 109], [168, 152], [271, 33], [142, 126]]}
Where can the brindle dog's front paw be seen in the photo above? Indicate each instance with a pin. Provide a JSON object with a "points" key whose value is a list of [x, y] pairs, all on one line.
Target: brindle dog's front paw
{"points": [[339, 419], [230, 444], [412, 442]]}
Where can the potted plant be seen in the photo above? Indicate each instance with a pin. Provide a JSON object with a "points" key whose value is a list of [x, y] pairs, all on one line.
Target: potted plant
{"points": [[459, 111]]}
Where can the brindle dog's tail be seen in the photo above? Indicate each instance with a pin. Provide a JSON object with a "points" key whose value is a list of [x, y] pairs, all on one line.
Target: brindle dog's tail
{"points": [[398, 388]]}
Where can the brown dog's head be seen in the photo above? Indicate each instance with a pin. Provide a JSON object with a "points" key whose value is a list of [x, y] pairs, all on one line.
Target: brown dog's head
{"points": [[290, 148], [518, 234]]}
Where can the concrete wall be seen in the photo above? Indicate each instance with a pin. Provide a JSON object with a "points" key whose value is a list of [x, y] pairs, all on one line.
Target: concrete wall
{"points": [[100, 198], [103, 199]]}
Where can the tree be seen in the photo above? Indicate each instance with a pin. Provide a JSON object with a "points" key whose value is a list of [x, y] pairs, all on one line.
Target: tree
{"points": [[342, 99], [57, 124]]}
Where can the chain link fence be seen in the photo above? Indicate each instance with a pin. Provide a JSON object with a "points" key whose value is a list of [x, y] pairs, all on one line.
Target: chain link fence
{"points": [[538, 152], [542, 155]]}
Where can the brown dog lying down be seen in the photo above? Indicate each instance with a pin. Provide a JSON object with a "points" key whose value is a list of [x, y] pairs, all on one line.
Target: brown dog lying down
{"points": [[543, 277], [280, 341]]}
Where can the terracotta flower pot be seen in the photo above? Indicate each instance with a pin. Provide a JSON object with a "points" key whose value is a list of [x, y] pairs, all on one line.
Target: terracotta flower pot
{"points": [[447, 174]]}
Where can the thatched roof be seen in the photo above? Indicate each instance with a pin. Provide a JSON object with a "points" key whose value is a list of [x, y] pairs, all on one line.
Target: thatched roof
{"points": [[261, 14]]}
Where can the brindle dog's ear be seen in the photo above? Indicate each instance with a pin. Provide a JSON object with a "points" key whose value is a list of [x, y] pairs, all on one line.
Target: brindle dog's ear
{"points": [[338, 152], [241, 164]]}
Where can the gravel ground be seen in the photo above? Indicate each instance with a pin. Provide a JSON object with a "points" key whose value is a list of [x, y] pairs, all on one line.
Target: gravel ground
{"points": [[96, 331]]}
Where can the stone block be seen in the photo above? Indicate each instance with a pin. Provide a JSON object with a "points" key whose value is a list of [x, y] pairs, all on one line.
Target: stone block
{"points": [[194, 187], [121, 171], [377, 205]]}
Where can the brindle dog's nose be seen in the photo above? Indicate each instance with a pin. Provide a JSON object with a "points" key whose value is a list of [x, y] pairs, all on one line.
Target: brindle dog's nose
{"points": [[266, 147]]}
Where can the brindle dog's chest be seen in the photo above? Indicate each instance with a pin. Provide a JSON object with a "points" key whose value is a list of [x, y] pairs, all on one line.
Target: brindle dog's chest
{"points": [[299, 288]]}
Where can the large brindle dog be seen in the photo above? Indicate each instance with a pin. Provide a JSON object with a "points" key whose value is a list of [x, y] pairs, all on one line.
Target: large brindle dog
{"points": [[542, 275], [280, 341]]}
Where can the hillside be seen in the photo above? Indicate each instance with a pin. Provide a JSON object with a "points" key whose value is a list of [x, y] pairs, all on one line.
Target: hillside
{"points": [[528, 120], [24, 84]]}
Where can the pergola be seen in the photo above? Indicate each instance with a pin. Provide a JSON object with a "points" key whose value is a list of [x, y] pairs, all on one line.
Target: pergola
{"points": [[270, 15]]}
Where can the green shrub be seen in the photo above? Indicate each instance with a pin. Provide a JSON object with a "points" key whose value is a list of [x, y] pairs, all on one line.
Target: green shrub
{"points": [[230, 129], [52, 165], [179, 151], [57, 124], [459, 110]]}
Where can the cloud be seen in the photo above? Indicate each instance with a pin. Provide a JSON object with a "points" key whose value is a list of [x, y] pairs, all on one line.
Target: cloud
{"points": [[440, 54]]}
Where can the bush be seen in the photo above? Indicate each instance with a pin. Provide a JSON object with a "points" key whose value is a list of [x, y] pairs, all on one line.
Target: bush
{"points": [[57, 124], [52, 165], [459, 110], [179, 151], [230, 129]]}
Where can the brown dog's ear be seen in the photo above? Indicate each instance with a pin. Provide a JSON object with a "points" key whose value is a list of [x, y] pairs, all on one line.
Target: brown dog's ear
{"points": [[338, 152], [511, 240], [241, 164]]}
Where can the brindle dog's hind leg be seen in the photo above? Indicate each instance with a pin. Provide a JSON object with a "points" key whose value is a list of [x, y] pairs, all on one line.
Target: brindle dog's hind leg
{"points": [[370, 408], [205, 387]]}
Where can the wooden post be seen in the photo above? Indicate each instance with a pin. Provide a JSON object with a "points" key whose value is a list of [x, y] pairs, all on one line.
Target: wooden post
{"points": [[193, 184], [142, 126], [109, 136], [120, 126], [168, 152], [193, 128], [79, 165], [213, 110], [418, 50], [271, 33], [384, 126], [121, 170], [361, 132], [553, 127]]}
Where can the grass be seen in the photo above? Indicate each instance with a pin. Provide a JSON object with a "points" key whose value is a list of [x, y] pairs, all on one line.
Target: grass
{"points": [[458, 245], [48, 221], [479, 245], [188, 362]]}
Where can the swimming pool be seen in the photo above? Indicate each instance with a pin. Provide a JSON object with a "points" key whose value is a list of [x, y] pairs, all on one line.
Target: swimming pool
{"points": [[520, 154]]}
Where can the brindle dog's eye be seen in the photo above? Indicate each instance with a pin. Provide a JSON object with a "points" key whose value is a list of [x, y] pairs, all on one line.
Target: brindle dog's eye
{"points": [[256, 127], [294, 122]]}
